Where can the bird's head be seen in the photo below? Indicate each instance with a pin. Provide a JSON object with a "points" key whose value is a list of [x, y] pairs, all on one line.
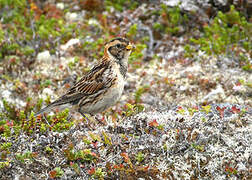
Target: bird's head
{"points": [[118, 49]]}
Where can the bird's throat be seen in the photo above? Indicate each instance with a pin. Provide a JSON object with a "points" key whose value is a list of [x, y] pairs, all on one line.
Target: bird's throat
{"points": [[123, 69]]}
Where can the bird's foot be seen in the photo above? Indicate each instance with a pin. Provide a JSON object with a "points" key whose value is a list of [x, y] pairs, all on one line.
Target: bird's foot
{"points": [[101, 120], [88, 124]]}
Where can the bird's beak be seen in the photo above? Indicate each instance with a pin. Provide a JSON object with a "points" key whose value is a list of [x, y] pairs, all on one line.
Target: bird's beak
{"points": [[130, 47]]}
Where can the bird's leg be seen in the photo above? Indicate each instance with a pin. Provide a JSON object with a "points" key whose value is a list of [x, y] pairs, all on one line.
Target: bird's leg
{"points": [[101, 120], [44, 116], [69, 117], [86, 118]]}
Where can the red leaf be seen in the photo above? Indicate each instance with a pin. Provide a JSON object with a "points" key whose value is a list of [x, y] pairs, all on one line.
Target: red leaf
{"points": [[95, 144], [153, 123], [34, 154], [196, 107], [121, 166], [221, 111], [238, 83], [125, 156], [180, 108], [108, 166], [39, 117], [91, 171], [9, 123], [53, 174], [2, 129], [94, 154], [235, 109], [116, 166], [146, 168], [67, 85]]}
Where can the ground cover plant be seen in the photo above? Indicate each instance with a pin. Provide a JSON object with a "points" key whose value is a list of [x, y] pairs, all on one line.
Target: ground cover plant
{"points": [[186, 109]]}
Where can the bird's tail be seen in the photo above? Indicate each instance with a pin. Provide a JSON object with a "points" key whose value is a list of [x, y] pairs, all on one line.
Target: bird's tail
{"points": [[45, 109], [49, 107], [66, 99]]}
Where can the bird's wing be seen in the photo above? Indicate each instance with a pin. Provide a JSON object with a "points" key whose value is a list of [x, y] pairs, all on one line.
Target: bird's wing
{"points": [[98, 78]]}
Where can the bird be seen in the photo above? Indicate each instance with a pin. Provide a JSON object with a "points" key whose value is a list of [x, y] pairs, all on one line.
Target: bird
{"points": [[103, 85]]}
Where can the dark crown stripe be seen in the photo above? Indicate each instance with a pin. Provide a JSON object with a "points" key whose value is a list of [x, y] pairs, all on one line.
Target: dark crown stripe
{"points": [[119, 39]]}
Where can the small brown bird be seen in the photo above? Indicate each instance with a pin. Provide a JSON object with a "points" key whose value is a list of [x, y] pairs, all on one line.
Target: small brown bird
{"points": [[103, 86]]}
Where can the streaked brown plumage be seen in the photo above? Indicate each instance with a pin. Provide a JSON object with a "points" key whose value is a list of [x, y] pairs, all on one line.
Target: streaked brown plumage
{"points": [[103, 85]]}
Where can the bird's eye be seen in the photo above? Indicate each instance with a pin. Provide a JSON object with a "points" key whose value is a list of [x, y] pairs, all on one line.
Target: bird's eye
{"points": [[118, 45]]}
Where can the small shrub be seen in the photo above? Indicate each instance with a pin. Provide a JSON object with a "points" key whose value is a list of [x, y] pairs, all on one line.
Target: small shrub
{"points": [[228, 34], [172, 20]]}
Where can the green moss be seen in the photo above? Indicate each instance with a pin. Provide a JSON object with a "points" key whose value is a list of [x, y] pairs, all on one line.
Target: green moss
{"points": [[59, 172], [200, 148], [189, 51], [132, 109], [59, 121], [87, 141], [85, 155], [98, 174], [4, 164], [139, 92], [120, 5], [140, 157], [74, 63], [95, 137], [206, 109], [5, 146], [38, 106], [172, 20], [15, 120], [246, 83], [76, 167], [136, 55], [23, 157], [23, 25], [192, 111], [46, 83], [1, 35], [181, 110], [132, 31], [107, 138], [10, 111]]}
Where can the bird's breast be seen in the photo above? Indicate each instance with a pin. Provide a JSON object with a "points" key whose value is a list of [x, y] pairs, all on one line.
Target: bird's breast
{"points": [[115, 92], [110, 96]]}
